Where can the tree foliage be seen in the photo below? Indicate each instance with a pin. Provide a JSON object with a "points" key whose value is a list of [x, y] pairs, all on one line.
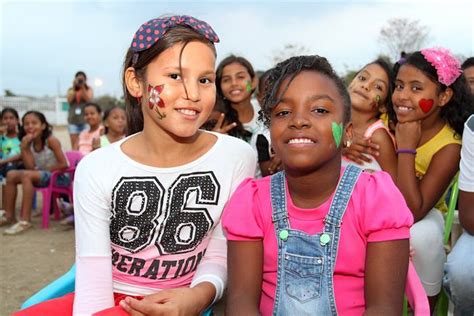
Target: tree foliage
{"points": [[107, 101], [403, 35]]}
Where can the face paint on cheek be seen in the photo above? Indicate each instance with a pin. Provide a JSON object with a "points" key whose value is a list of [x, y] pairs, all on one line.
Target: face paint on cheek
{"points": [[155, 101], [248, 86], [426, 104], [337, 133]]}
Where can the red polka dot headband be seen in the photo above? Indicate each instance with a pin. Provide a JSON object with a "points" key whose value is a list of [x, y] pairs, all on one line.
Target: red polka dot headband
{"points": [[150, 32]]}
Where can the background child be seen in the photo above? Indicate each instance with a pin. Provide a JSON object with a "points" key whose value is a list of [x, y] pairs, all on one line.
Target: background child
{"points": [[284, 231], [115, 127], [370, 91], [236, 81], [41, 154], [268, 162], [431, 101], [148, 207], [10, 153], [458, 272], [468, 71], [93, 117]]}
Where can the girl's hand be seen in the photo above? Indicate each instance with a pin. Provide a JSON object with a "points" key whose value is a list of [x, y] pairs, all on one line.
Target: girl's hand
{"points": [[221, 128], [26, 141], [180, 301], [275, 165], [359, 148], [408, 134]]}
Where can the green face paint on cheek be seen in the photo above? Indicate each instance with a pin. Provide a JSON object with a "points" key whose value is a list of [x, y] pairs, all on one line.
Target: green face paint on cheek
{"points": [[337, 133], [248, 87]]}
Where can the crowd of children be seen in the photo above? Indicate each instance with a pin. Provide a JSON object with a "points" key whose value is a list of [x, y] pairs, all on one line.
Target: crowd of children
{"points": [[312, 198]]}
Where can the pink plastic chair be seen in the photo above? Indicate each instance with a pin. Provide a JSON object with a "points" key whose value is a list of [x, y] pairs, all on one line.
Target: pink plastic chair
{"points": [[53, 190], [415, 293]]}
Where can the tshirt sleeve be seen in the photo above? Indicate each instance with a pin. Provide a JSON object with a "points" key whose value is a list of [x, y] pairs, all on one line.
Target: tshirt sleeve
{"points": [[466, 166], [213, 267], [386, 215], [94, 289], [241, 219]]}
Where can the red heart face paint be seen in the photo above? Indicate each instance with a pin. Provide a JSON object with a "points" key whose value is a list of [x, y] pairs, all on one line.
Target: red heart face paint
{"points": [[426, 105], [154, 96]]}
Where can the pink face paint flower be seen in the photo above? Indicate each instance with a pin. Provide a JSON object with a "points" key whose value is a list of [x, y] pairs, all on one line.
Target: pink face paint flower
{"points": [[446, 65], [154, 96]]}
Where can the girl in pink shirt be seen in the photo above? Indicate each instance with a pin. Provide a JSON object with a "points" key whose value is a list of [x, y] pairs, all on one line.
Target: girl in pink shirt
{"points": [[93, 117], [315, 238]]}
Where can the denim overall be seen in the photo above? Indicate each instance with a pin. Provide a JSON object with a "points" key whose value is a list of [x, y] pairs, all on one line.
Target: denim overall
{"points": [[306, 262]]}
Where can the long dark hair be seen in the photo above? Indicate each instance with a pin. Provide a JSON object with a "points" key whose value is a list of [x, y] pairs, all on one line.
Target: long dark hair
{"points": [[176, 35], [290, 68], [388, 69], [46, 132], [460, 107], [231, 114]]}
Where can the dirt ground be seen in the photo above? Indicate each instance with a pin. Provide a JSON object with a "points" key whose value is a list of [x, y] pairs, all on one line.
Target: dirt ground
{"points": [[31, 260]]}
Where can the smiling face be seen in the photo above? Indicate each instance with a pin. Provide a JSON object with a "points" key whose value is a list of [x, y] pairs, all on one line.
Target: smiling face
{"points": [[370, 82], [416, 97], [301, 124], [92, 116], [188, 95], [33, 125], [235, 83]]}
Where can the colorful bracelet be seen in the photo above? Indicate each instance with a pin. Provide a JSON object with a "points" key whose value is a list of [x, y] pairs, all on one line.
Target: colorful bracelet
{"points": [[406, 151]]}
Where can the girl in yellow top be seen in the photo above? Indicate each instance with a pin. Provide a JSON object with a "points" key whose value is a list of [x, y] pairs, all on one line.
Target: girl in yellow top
{"points": [[431, 102]]}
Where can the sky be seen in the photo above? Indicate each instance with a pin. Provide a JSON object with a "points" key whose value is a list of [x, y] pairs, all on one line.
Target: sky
{"points": [[44, 43]]}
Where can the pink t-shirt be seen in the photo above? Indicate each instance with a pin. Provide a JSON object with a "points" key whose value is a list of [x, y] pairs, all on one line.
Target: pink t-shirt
{"points": [[376, 212], [85, 140]]}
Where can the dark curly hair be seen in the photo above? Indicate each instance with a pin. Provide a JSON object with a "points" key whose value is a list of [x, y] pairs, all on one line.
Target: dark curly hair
{"points": [[292, 67], [460, 107], [48, 131], [231, 115]]}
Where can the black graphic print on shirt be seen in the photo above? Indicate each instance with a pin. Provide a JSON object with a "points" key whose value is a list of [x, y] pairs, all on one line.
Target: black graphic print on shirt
{"points": [[140, 217]]}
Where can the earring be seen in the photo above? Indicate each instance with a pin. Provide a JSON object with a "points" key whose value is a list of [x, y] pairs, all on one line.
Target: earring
{"points": [[139, 100]]}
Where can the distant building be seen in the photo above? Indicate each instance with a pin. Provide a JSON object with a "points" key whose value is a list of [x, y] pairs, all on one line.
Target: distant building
{"points": [[54, 108]]}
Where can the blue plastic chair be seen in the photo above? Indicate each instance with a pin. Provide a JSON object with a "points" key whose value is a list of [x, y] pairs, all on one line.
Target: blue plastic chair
{"points": [[63, 285]]}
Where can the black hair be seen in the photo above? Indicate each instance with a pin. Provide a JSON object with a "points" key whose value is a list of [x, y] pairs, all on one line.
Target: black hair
{"points": [[262, 81], [95, 105], [46, 132], [106, 116], [460, 107], [468, 63], [290, 68], [80, 72], [388, 69], [177, 35], [231, 114]]}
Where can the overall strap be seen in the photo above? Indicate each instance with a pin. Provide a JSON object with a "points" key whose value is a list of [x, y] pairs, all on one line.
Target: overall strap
{"points": [[278, 197], [341, 197]]}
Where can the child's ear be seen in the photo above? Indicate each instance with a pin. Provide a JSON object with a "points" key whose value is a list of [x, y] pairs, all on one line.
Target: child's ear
{"points": [[133, 83], [445, 96], [348, 134]]}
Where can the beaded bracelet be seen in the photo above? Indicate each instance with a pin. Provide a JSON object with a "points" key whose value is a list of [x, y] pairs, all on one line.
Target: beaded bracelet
{"points": [[406, 151]]}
